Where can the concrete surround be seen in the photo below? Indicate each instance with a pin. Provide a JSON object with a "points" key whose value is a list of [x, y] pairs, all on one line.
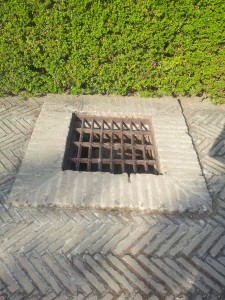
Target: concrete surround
{"points": [[41, 181]]}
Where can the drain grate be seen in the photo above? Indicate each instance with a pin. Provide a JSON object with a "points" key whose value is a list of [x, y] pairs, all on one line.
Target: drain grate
{"points": [[115, 145]]}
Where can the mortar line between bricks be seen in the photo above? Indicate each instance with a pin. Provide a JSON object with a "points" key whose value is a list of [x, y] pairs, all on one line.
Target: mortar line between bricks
{"points": [[198, 158]]}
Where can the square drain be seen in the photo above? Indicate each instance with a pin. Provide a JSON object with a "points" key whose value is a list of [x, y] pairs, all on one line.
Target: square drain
{"points": [[76, 169], [115, 145]]}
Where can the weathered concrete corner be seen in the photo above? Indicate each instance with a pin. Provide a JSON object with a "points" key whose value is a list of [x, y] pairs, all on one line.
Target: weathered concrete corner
{"points": [[41, 181]]}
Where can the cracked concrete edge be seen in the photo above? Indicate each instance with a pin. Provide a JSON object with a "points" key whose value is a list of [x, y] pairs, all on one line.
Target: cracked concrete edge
{"points": [[97, 190]]}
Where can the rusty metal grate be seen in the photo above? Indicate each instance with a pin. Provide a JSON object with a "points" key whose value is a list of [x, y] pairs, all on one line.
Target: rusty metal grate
{"points": [[115, 145]]}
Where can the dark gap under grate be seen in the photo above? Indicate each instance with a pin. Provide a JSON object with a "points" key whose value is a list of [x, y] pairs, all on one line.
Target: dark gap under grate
{"points": [[115, 145]]}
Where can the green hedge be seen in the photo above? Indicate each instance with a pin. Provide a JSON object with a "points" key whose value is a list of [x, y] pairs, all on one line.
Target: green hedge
{"points": [[147, 47]]}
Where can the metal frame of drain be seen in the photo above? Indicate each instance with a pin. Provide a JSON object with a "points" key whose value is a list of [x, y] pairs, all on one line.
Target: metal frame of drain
{"points": [[115, 145]]}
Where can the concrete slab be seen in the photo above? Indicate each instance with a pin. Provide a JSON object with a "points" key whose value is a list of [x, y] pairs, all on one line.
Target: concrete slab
{"points": [[41, 181]]}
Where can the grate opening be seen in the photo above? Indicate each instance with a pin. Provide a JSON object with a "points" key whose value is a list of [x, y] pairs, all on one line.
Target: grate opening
{"points": [[115, 145]]}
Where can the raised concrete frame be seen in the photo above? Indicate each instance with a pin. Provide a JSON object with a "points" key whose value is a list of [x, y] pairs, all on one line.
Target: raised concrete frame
{"points": [[42, 183]]}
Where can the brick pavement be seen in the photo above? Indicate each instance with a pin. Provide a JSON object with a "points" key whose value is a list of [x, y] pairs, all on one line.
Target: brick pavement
{"points": [[93, 254]]}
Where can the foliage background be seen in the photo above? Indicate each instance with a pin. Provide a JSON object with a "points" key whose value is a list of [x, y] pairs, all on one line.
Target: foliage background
{"points": [[148, 47]]}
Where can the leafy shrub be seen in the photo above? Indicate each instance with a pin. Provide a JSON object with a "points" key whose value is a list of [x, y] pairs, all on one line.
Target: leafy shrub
{"points": [[148, 47]]}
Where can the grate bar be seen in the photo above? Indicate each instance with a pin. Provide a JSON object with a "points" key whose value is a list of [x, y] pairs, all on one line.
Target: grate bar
{"points": [[97, 130], [100, 149], [144, 148], [115, 161], [122, 148], [111, 148], [79, 147], [116, 145], [133, 149]]}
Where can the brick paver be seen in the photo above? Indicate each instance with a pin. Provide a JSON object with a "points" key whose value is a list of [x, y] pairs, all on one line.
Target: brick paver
{"points": [[94, 254]]}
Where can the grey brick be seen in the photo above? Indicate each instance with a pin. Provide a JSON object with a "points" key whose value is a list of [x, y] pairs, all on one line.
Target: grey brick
{"points": [[128, 274], [90, 276], [8, 279], [143, 274]]}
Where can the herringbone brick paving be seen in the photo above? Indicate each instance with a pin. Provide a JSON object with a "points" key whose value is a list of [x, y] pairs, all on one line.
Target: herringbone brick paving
{"points": [[90, 254]]}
